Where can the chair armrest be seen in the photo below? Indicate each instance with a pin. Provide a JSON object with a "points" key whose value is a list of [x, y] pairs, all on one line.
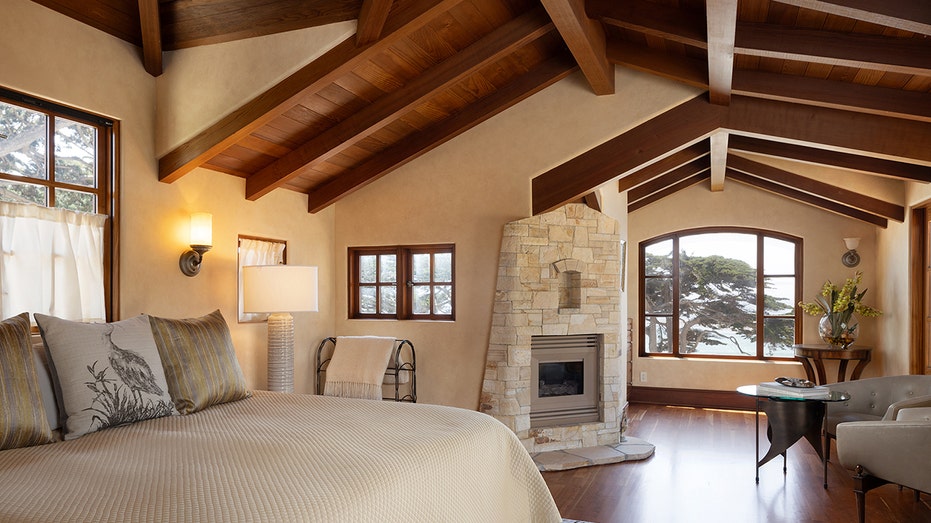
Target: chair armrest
{"points": [[893, 411], [914, 414], [896, 451]]}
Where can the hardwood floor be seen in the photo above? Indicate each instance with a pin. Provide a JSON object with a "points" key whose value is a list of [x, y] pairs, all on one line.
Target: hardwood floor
{"points": [[703, 470]]}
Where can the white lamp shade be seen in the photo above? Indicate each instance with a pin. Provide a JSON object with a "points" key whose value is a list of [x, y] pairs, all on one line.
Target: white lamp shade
{"points": [[279, 288], [202, 228], [852, 243]]}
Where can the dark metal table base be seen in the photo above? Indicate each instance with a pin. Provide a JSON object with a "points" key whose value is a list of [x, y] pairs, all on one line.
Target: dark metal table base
{"points": [[787, 422]]}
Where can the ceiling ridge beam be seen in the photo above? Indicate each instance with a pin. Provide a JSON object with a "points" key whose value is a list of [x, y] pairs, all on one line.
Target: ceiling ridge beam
{"points": [[672, 189], [722, 22], [907, 15], [537, 79], [372, 18], [585, 39], [807, 198], [832, 129], [912, 105], [673, 161], [812, 155], [880, 53], [151, 30], [651, 141], [696, 166], [818, 188], [261, 109], [380, 113], [653, 19]]}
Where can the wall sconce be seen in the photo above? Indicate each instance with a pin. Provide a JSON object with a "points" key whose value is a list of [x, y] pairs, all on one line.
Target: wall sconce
{"points": [[201, 242], [851, 258]]}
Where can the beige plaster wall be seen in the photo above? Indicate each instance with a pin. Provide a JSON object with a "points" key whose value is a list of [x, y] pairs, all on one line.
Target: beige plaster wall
{"points": [[202, 84], [464, 192], [58, 58], [822, 234]]}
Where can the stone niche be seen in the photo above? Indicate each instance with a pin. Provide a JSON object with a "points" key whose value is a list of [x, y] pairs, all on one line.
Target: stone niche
{"points": [[558, 274]]}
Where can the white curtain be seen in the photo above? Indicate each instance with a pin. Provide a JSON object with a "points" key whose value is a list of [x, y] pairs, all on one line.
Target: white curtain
{"points": [[257, 252], [51, 262]]}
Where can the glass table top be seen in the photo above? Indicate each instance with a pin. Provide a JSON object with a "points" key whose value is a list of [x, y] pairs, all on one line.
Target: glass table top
{"points": [[830, 395]]}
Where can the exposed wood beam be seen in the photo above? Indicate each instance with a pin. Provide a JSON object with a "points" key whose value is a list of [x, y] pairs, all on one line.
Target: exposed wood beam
{"points": [[383, 111], [653, 19], [811, 155], [340, 60], [586, 40], [689, 71], [895, 55], [722, 23], [524, 86], [718, 160], [832, 129], [646, 143], [151, 36], [372, 19], [804, 197], [189, 24], [699, 165], [824, 190], [908, 15], [673, 161], [672, 189], [593, 200], [898, 103]]}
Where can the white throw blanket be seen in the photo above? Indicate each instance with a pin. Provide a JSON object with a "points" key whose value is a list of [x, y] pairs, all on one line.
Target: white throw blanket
{"points": [[357, 367]]}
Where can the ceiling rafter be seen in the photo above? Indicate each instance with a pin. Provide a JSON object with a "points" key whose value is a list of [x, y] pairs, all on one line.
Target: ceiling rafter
{"points": [[722, 22], [413, 147], [907, 15], [586, 40], [372, 18], [500, 42], [653, 19], [281, 97], [657, 184], [805, 197], [151, 30], [719, 141], [673, 161], [670, 190], [818, 188]]}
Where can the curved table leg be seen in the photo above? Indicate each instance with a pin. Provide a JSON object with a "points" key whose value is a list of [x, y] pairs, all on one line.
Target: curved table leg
{"points": [[788, 421], [822, 379], [809, 372], [858, 369], [842, 371]]}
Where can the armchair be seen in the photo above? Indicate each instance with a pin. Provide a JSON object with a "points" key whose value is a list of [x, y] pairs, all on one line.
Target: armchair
{"points": [[881, 452], [876, 399]]}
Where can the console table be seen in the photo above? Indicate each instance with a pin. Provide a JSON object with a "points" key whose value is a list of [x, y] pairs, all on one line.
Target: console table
{"points": [[808, 354], [789, 420]]}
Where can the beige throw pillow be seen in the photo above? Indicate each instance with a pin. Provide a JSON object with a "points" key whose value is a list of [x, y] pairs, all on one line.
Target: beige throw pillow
{"points": [[107, 374]]}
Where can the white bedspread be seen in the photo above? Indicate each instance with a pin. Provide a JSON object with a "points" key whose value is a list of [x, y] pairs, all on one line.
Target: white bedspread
{"points": [[283, 457]]}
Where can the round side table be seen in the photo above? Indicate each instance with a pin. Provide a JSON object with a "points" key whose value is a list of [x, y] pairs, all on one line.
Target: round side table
{"points": [[808, 354]]}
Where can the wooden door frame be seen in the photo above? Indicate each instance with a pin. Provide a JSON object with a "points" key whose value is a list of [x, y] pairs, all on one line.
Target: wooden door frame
{"points": [[918, 274]]}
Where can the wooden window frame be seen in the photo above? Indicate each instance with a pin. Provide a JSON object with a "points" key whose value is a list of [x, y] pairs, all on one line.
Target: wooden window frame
{"points": [[761, 234], [107, 189], [403, 285]]}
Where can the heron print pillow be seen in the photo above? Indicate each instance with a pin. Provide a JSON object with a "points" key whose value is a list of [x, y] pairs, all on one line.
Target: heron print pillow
{"points": [[106, 374]]}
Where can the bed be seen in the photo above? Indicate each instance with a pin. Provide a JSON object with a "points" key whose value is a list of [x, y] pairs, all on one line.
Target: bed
{"points": [[283, 457], [227, 454]]}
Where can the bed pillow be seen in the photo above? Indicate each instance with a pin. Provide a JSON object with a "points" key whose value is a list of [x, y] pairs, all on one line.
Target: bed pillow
{"points": [[23, 422], [200, 361], [106, 374], [47, 390]]}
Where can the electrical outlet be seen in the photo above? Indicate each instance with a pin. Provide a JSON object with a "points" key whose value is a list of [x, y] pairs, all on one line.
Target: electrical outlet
{"points": [[643, 376]]}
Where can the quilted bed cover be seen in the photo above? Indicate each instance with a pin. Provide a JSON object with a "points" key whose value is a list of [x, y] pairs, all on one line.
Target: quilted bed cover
{"points": [[283, 457]]}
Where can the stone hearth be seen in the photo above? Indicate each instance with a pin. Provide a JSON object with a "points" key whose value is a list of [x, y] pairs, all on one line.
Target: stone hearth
{"points": [[558, 274]]}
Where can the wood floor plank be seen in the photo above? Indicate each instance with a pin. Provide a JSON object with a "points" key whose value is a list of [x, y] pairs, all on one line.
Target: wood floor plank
{"points": [[703, 470]]}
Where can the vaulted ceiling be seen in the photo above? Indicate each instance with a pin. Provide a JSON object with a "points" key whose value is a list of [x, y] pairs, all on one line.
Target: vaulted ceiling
{"points": [[842, 83]]}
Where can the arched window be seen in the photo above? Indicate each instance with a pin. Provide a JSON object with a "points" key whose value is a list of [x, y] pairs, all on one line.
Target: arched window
{"points": [[720, 292]]}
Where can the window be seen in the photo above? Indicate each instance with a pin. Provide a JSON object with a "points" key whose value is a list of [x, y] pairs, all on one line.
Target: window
{"points": [[402, 282], [723, 292], [60, 158]]}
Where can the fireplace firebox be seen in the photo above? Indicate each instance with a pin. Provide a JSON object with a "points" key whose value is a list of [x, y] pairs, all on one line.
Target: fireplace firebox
{"points": [[564, 379]]}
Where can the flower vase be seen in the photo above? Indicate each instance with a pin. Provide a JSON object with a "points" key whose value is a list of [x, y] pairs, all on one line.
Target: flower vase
{"points": [[838, 331]]}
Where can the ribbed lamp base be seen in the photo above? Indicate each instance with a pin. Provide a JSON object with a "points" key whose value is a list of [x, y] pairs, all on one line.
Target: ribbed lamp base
{"points": [[281, 352]]}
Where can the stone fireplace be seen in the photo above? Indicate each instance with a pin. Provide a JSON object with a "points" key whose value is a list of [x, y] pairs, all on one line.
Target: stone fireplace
{"points": [[558, 280]]}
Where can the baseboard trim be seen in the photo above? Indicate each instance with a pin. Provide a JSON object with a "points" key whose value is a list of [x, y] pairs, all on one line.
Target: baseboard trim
{"points": [[707, 399]]}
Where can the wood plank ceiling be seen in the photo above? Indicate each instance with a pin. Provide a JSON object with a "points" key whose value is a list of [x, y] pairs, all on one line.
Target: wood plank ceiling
{"points": [[843, 83]]}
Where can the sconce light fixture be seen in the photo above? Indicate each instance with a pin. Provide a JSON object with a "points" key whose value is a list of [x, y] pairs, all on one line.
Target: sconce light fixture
{"points": [[851, 258], [201, 242]]}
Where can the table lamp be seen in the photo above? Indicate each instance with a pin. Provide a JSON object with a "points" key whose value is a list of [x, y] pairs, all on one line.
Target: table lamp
{"points": [[280, 290]]}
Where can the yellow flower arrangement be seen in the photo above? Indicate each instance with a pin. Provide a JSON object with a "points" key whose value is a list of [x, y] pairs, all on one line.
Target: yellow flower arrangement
{"points": [[838, 306]]}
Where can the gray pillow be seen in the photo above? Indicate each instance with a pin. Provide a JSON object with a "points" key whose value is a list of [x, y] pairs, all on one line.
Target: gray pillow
{"points": [[106, 374]]}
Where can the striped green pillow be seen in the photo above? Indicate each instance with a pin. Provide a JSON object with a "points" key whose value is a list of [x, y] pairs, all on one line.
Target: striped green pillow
{"points": [[199, 360], [22, 416]]}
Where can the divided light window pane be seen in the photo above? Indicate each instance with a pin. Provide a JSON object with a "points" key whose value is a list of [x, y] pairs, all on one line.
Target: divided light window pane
{"points": [[388, 270], [75, 158], [367, 266], [23, 151]]}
